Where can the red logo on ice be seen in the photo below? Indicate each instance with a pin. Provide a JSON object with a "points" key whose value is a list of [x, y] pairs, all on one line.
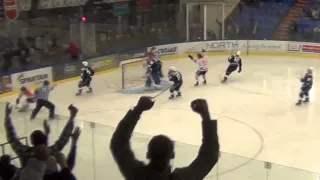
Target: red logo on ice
{"points": [[11, 9], [310, 48]]}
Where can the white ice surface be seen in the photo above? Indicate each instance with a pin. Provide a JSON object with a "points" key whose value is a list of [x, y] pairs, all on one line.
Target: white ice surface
{"points": [[257, 103]]}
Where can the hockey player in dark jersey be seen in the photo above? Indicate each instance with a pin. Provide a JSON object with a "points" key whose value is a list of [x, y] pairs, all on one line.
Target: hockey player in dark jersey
{"points": [[235, 62], [176, 77], [86, 78], [307, 82]]}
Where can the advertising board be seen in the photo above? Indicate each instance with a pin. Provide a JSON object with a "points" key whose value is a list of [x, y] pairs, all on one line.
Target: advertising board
{"points": [[104, 62], [30, 78], [66, 71], [165, 50], [139, 53], [303, 47]]}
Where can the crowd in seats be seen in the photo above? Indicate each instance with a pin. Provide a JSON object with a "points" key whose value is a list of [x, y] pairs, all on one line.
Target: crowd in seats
{"points": [[41, 161], [50, 40], [259, 19], [308, 26]]}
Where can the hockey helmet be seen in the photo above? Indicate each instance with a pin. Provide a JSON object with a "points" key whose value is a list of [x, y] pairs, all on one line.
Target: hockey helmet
{"points": [[85, 63], [23, 88], [238, 53], [172, 68], [199, 55], [310, 69]]}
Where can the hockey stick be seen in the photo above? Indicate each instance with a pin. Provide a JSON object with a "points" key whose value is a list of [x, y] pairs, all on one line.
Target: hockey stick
{"points": [[163, 91]]}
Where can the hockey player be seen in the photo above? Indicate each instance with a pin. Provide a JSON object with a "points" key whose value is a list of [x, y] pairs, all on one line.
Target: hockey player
{"points": [[176, 77], [86, 78], [235, 62], [203, 67], [152, 56], [153, 75], [307, 82], [30, 98], [42, 95]]}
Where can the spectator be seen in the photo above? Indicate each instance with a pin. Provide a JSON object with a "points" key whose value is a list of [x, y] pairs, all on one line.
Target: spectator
{"points": [[293, 31], [316, 33], [37, 138], [161, 148], [73, 51], [7, 170]]}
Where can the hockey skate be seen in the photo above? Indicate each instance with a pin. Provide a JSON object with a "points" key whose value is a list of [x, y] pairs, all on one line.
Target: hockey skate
{"points": [[306, 100], [179, 94], [299, 103], [171, 96], [90, 90], [204, 82], [79, 92], [224, 80], [197, 84]]}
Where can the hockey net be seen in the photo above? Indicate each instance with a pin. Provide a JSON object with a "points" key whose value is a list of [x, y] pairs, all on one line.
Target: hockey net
{"points": [[133, 72]]}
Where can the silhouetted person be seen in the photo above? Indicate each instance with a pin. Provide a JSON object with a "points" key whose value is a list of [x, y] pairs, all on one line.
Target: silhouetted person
{"points": [[161, 148]]}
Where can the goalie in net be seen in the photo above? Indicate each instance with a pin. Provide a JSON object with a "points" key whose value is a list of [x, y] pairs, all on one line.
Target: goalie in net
{"points": [[141, 71]]}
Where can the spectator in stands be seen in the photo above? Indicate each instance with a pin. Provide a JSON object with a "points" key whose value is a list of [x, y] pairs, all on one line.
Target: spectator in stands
{"points": [[161, 148], [7, 57], [7, 170], [293, 31], [38, 138], [316, 33], [307, 12], [73, 51]]}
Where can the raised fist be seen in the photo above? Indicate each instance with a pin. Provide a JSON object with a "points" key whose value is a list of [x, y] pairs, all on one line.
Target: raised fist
{"points": [[145, 103], [8, 109], [73, 110], [200, 106]]}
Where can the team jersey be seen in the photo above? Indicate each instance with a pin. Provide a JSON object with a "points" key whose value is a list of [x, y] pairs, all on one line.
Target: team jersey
{"points": [[307, 80], [235, 60], [202, 63], [26, 93], [175, 76], [87, 72], [43, 92]]}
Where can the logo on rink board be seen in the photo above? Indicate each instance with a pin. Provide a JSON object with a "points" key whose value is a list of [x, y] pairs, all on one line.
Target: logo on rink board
{"points": [[312, 48], [30, 78], [164, 50]]}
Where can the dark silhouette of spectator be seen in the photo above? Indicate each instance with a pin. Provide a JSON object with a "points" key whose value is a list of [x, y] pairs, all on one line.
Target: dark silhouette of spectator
{"points": [[161, 148], [293, 31], [37, 137], [7, 170], [7, 57]]}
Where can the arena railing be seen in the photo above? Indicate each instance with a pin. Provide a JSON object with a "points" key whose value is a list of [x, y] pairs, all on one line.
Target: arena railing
{"points": [[94, 160]]}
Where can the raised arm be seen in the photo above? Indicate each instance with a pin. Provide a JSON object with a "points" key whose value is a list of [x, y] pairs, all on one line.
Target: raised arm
{"points": [[120, 141], [19, 148], [209, 150], [67, 131], [71, 159]]}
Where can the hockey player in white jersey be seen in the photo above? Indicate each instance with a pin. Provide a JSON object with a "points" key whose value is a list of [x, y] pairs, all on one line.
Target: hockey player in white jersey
{"points": [[202, 62]]}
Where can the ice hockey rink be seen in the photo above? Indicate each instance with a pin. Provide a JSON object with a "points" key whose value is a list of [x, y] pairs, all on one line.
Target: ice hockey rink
{"points": [[255, 110]]}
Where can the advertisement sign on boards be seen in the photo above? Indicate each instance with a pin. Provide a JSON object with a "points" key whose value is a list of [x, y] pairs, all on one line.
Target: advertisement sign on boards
{"points": [[164, 50], [139, 53], [65, 71], [30, 78], [104, 62]]}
